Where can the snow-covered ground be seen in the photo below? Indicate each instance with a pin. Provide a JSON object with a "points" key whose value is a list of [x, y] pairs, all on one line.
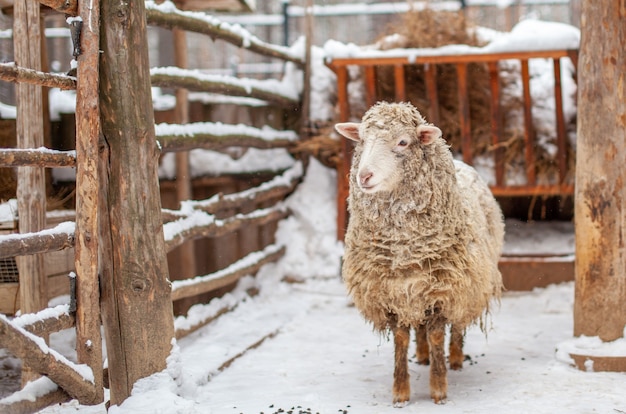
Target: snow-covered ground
{"points": [[302, 347]]}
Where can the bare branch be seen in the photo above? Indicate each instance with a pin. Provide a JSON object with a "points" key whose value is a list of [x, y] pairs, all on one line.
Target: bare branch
{"points": [[169, 17], [12, 157], [12, 73]]}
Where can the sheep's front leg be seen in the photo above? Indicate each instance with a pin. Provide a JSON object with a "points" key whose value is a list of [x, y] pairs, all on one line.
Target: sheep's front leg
{"points": [[422, 349], [401, 385], [438, 373], [456, 347]]}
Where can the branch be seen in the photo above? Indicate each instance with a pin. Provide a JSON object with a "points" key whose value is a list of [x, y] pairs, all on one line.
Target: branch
{"points": [[21, 402], [213, 136], [166, 15], [69, 7], [58, 238], [226, 85], [43, 157], [200, 224], [245, 266], [12, 73]]}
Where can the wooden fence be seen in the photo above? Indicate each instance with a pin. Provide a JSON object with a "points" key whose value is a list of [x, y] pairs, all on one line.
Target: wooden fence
{"points": [[430, 64], [24, 336]]}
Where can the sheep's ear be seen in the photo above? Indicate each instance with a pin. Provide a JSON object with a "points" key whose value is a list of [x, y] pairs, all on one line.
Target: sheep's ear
{"points": [[428, 133], [349, 130]]}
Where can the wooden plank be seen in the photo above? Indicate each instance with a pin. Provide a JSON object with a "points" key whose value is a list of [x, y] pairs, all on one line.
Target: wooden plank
{"points": [[561, 134], [370, 84], [23, 403], [532, 190], [529, 130], [16, 157], [496, 121], [400, 83], [592, 363], [34, 243], [9, 298], [86, 261], [345, 157], [527, 273], [430, 79], [464, 114]]}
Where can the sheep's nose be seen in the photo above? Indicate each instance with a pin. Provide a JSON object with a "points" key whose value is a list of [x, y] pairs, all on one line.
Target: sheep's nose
{"points": [[364, 177]]}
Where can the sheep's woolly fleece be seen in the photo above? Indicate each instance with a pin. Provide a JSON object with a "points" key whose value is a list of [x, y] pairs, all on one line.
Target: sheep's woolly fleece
{"points": [[431, 243]]}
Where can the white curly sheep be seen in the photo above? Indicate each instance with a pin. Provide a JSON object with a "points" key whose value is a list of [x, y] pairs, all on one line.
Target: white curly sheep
{"points": [[423, 240]]}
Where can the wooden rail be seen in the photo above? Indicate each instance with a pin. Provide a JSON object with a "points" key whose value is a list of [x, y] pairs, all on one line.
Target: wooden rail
{"points": [[430, 62]]}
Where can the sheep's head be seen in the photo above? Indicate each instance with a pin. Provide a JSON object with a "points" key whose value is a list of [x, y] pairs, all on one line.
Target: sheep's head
{"points": [[389, 135]]}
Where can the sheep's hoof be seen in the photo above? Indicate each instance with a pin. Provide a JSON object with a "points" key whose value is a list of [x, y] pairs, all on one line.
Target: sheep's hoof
{"points": [[401, 398], [400, 404], [456, 365], [438, 397]]}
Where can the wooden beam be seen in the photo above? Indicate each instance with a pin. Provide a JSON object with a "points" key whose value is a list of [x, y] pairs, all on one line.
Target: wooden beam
{"points": [[34, 243], [464, 114], [561, 133], [529, 130], [399, 82], [430, 80], [496, 121]]}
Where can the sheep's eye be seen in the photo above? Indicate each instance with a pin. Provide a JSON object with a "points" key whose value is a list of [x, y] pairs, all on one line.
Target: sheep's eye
{"points": [[402, 143]]}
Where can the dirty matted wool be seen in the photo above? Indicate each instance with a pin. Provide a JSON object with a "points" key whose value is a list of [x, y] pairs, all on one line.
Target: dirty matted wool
{"points": [[429, 246]]}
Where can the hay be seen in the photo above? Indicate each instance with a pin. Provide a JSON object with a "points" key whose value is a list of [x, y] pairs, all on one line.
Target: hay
{"points": [[428, 29]]}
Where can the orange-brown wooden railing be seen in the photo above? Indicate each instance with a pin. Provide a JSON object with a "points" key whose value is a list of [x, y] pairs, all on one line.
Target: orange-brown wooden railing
{"points": [[461, 62]]}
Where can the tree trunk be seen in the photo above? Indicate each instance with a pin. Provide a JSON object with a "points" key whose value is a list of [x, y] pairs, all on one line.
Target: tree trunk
{"points": [[137, 310], [600, 299]]}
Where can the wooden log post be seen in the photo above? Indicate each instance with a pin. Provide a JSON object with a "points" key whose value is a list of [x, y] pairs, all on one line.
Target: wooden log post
{"points": [[600, 298], [31, 191], [88, 338], [136, 306]]}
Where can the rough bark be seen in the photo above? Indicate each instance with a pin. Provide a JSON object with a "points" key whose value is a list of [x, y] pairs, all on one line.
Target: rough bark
{"points": [[88, 337], [10, 72], [173, 143], [33, 243], [600, 296], [10, 157], [137, 310]]}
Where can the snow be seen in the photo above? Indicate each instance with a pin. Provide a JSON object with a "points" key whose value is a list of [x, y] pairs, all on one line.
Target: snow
{"points": [[303, 345]]}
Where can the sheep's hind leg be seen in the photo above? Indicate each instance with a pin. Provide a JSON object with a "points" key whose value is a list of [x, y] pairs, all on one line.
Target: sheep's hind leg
{"points": [[401, 385], [456, 347], [422, 349], [438, 373]]}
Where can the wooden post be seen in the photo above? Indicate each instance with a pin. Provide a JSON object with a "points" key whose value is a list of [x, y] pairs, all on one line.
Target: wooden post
{"points": [[136, 306], [186, 254], [31, 191], [88, 339], [600, 298]]}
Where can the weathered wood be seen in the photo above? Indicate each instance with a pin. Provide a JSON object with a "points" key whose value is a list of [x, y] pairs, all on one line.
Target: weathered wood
{"points": [[206, 140], [222, 227], [216, 30], [34, 243], [496, 121], [370, 85], [231, 86], [136, 306], [68, 7], [28, 348], [561, 135], [31, 187], [88, 337], [430, 79], [345, 156], [529, 130], [600, 289], [203, 284], [10, 72], [16, 157]]}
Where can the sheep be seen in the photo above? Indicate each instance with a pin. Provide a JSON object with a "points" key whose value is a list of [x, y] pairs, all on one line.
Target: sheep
{"points": [[423, 240]]}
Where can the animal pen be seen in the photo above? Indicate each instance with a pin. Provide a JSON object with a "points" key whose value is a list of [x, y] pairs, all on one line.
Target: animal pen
{"points": [[121, 235], [119, 231]]}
